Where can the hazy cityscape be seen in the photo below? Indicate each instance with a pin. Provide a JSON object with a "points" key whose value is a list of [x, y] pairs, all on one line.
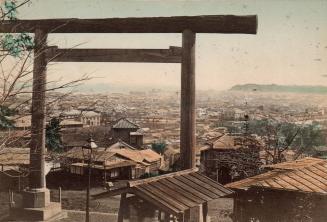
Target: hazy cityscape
{"points": [[154, 116]]}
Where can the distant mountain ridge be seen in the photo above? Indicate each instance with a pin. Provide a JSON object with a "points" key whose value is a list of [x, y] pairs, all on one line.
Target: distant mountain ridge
{"points": [[113, 87], [280, 88]]}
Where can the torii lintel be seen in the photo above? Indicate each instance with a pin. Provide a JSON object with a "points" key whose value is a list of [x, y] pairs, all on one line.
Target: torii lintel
{"points": [[198, 24]]}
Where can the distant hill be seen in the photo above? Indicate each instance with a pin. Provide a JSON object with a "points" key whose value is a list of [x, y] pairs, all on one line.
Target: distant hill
{"points": [[280, 88], [113, 87]]}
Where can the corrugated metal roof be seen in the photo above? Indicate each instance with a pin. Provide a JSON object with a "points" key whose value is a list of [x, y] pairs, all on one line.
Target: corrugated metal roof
{"points": [[125, 124], [306, 175], [177, 192]]}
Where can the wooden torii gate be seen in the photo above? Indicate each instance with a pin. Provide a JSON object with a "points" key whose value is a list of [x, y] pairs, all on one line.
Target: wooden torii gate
{"points": [[37, 196]]}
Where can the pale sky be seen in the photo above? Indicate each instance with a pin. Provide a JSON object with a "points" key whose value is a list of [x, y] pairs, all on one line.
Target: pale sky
{"points": [[290, 47]]}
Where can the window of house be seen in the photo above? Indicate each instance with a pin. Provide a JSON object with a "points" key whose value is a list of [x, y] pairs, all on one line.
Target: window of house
{"points": [[114, 173], [133, 140]]}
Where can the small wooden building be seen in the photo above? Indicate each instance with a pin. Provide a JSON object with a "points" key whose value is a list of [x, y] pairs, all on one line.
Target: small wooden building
{"points": [[14, 163], [230, 158], [289, 191], [180, 196], [128, 132]]}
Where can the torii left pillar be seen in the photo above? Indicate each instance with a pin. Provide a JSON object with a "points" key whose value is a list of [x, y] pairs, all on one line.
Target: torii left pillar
{"points": [[36, 199]]}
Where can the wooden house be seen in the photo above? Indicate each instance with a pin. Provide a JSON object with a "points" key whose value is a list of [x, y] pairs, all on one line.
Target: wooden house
{"points": [[14, 158], [128, 132], [230, 158], [120, 161], [14, 167], [289, 191]]}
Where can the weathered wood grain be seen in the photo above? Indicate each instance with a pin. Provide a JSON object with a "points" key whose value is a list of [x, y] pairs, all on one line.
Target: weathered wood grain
{"points": [[171, 55], [37, 144], [187, 133], [199, 24]]}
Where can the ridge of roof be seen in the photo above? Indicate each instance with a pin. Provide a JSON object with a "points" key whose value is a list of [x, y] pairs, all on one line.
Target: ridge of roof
{"points": [[124, 123], [295, 164], [308, 178], [121, 144]]}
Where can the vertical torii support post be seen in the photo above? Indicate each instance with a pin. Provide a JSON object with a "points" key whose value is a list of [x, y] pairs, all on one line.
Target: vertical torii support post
{"points": [[36, 199], [37, 145], [37, 196], [187, 141]]}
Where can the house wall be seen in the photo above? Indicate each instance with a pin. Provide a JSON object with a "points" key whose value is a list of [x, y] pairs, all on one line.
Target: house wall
{"points": [[91, 120], [136, 140], [10, 181], [154, 167], [271, 205], [122, 134]]}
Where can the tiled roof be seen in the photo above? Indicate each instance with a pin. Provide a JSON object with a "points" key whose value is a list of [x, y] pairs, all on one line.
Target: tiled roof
{"points": [[229, 142], [305, 175], [134, 155], [125, 124], [120, 145], [14, 156], [150, 155], [90, 114], [123, 152], [118, 164], [99, 154], [305, 162], [71, 113], [139, 132]]}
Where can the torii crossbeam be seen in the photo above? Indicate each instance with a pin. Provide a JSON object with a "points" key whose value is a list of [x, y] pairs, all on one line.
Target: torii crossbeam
{"points": [[187, 25]]}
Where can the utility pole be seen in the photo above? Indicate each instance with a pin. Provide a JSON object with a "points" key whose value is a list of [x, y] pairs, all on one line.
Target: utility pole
{"points": [[89, 147], [87, 210]]}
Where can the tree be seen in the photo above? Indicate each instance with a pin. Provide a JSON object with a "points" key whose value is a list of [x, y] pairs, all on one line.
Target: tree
{"points": [[281, 136], [159, 147], [53, 137], [16, 68], [5, 122]]}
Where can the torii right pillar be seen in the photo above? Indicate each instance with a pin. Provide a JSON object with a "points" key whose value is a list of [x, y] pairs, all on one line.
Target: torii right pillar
{"points": [[188, 148], [187, 137]]}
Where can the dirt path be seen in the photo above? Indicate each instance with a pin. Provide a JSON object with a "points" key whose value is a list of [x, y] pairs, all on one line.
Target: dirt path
{"points": [[74, 215]]}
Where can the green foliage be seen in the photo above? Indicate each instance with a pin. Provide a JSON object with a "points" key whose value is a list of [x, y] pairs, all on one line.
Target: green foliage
{"points": [[303, 138], [159, 147], [148, 175], [10, 9], [14, 44], [5, 113], [309, 137], [53, 137]]}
